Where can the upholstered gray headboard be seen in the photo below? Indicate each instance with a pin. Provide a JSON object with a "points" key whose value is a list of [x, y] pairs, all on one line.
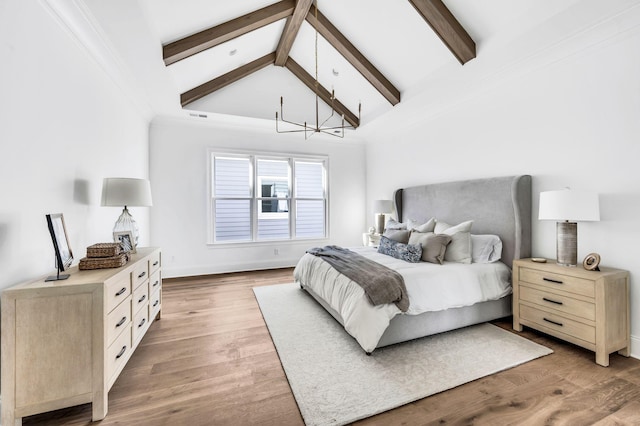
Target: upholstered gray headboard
{"points": [[500, 206]]}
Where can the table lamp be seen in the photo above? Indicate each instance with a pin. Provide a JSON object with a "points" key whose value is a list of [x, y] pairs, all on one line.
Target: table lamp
{"points": [[568, 207], [380, 208], [125, 192]]}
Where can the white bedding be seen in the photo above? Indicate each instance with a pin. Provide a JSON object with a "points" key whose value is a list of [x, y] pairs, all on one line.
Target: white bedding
{"points": [[430, 287]]}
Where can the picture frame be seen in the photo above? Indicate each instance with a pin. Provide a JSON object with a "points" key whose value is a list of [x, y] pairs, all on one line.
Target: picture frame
{"points": [[125, 238], [61, 246]]}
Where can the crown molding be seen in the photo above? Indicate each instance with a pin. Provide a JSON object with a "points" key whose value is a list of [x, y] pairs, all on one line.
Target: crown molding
{"points": [[75, 18]]}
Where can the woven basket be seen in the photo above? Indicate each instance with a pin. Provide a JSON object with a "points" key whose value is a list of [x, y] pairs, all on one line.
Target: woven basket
{"points": [[104, 250], [103, 262]]}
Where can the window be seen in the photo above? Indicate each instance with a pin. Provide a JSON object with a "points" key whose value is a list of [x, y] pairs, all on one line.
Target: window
{"points": [[267, 198]]}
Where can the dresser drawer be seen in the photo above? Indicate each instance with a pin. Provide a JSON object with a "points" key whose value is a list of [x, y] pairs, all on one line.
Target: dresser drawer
{"points": [[140, 298], [154, 263], [558, 302], [155, 304], [558, 281], [155, 282], [119, 352], [140, 325], [118, 320], [117, 291], [558, 323], [140, 274]]}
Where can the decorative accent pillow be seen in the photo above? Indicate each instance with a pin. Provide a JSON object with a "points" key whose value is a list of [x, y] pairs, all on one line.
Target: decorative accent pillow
{"points": [[399, 235], [394, 224], [459, 249], [428, 226], [434, 246], [407, 252], [484, 248]]}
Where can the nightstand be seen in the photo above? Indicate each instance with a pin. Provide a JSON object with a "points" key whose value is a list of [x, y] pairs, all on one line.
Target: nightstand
{"points": [[371, 240], [586, 308]]}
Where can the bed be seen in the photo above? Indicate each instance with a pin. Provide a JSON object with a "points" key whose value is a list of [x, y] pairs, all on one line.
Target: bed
{"points": [[499, 206]]}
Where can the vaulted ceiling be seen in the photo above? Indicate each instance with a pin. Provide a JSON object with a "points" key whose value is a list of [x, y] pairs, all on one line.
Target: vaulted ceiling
{"points": [[239, 58], [434, 12]]}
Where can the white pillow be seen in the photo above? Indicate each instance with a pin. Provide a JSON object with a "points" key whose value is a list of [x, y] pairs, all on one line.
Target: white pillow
{"points": [[428, 226], [485, 248], [394, 224], [459, 249]]}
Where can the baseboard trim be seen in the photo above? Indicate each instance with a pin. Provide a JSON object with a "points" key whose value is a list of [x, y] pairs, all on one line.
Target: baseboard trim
{"points": [[635, 347], [196, 270]]}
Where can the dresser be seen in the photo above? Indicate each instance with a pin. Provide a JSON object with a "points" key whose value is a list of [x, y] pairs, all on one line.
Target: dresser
{"points": [[64, 343], [587, 308]]}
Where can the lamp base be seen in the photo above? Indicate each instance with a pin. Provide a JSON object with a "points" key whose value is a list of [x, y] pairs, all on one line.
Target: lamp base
{"points": [[126, 223], [379, 223], [567, 243]]}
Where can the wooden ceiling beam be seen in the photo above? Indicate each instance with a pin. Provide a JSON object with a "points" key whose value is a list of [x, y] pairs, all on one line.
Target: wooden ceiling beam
{"points": [[323, 93], [353, 55], [447, 27], [206, 39], [291, 31], [226, 79]]}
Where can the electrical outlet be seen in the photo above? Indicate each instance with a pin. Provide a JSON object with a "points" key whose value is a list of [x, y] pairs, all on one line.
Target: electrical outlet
{"points": [[276, 251]]}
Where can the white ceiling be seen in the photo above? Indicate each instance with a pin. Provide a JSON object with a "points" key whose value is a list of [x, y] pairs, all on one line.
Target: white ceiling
{"points": [[390, 34]]}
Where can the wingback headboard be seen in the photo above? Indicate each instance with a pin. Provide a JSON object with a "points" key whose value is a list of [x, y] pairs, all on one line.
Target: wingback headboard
{"points": [[500, 206]]}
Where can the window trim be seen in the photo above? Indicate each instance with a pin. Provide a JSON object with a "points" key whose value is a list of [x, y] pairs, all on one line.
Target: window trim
{"points": [[254, 156]]}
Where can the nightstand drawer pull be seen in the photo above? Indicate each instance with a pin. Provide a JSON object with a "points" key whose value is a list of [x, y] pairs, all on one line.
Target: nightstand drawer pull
{"points": [[121, 292], [142, 322], [122, 321], [553, 322], [144, 296], [142, 274], [156, 283], [122, 351], [156, 303], [156, 263], [552, 301], [552, 281]]}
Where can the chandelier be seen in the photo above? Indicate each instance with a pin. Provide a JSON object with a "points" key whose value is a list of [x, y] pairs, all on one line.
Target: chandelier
{"points": [[309, 129]]}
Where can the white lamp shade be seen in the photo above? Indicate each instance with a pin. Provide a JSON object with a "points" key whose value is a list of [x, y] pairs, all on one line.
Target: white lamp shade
{"points": [[569, 205], [119, 192], [382, 206]]}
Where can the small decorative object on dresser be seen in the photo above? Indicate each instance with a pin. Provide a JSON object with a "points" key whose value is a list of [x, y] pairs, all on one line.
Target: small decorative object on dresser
{"points": [[591, 262], [587, 308], [125, 238]]}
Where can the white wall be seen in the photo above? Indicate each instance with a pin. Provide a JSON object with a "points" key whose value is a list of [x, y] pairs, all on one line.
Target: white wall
{"points": [[64, 125], [567, 112], [179, 176]]}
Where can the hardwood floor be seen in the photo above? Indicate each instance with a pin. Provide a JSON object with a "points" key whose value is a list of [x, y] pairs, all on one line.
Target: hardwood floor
{"points": [[210, 361]]}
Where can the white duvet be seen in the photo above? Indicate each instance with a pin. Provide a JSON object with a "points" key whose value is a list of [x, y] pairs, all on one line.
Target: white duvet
{"points": [[430, 287]]}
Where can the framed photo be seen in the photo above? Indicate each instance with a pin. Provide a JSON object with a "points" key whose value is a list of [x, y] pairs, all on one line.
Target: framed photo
{"points": [[61, 247], [125, 238]]}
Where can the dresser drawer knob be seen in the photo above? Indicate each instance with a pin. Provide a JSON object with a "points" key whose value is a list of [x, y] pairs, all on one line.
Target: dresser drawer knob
{"points": [[553, 322], [122, 351], [552, 281], [122, 321], [121, 292], [552, 301], [142, 299], [142, 274], [142, 322]]}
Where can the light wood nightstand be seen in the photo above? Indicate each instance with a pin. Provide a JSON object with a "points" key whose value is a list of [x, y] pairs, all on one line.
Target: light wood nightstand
{"points": [[587, 308]]}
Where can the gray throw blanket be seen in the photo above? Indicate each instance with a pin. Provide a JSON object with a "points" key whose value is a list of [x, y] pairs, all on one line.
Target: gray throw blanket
{"points": [[380, 284]]}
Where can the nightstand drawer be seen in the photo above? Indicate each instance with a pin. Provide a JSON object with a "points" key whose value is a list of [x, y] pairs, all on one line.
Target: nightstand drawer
{"points": [[558, 323], [557, 281], [558, 302]]}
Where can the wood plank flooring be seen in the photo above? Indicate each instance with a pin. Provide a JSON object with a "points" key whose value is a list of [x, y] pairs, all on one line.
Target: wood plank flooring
{"points": [[210, 361]]}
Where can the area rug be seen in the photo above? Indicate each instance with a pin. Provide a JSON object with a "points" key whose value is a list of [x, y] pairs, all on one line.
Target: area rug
{"points": [[334, 382]]}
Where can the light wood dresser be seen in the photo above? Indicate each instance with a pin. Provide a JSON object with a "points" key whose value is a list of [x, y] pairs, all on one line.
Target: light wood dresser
{"points": [[587, 308], [64, 343]]}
